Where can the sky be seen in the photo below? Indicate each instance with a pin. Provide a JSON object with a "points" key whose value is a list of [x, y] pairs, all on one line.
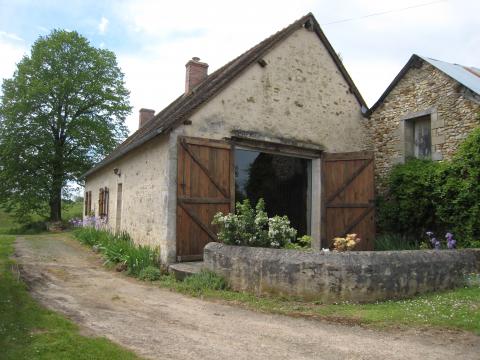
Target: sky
{"points": [[153, 40]]}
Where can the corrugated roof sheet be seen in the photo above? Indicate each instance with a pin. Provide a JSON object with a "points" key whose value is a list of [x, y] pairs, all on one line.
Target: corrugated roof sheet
{"points": [[467, 76]]}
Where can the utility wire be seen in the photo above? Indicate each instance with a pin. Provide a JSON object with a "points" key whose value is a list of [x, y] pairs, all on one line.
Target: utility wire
{"points": [[385, 12]]}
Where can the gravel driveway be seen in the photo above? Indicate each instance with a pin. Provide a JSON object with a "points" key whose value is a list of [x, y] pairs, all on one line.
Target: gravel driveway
{"points": [[160, 324]]}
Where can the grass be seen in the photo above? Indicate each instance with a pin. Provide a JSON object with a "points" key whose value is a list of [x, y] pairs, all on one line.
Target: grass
{"points": [[455, 309], [7, 222], [389, 242], [9, 226], [29, 331], [119, 249]]}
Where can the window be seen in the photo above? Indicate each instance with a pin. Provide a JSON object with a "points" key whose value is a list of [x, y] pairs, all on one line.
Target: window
{"points": [[284, 183], [418, 137], [103, 199], [88, 203]]}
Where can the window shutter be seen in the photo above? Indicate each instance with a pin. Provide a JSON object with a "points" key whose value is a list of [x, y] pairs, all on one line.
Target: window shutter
{"points": [[106, 200], [100, 203], [89, 205], [86, 203]]}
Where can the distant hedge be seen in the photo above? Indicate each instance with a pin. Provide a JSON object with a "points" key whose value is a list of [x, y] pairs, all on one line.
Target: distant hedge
{"points": [[438, 196]]}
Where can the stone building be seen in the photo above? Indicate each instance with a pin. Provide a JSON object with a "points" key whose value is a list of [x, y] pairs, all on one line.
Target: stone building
{"points": [[276, 108], [426, 112]]}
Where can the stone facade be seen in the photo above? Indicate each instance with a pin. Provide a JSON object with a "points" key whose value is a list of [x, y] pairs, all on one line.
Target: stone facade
{"points": [[300, 96], [359, 276], [423, 90], [144, 179]]}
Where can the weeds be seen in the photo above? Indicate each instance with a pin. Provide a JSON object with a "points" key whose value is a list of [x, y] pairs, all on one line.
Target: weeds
{"points": [[150, 273], [119, 249], [390, 242]]}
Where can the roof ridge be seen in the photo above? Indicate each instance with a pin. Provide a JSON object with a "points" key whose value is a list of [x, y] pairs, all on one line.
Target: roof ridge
{"points": [[185, 104]]}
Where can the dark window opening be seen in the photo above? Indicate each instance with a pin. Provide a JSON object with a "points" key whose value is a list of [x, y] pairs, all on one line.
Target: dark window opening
{"points": [[282, 181], [418, 137]]}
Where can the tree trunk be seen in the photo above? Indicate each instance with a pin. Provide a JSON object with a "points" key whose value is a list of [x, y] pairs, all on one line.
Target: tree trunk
{"points": [[57, 185], [56, 202]]}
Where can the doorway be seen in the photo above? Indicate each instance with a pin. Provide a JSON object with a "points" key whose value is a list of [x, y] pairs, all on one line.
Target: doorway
{"points": [[284, 182]]}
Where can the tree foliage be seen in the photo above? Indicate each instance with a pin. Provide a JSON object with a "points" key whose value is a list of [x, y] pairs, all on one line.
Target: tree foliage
{"points": [[63, 110]]}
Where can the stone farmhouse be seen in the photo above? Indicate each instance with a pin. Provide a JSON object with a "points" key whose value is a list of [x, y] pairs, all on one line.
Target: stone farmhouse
{"points": [[283, 121], [427, 110]]}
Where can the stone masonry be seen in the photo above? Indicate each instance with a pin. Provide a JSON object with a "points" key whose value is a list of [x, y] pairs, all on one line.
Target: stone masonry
{"points": [[423, 90], [358, 276]]}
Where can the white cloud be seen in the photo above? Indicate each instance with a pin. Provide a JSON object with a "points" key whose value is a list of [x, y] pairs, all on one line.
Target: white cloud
{"points": [[10, 36], [103, 25], [215, 31], [164, 35], [11, 54], [374, 49]]}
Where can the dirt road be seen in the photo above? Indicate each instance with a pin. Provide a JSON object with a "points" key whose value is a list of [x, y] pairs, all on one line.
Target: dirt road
{"points": [[159, 324]]}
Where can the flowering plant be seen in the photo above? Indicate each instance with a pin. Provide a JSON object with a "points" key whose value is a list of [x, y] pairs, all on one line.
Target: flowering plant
{"points": [[89, 221], [253, 227], [435, 243], [347, 243]]}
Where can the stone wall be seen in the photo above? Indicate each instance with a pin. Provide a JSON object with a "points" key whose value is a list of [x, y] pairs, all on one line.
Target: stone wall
{"points": [[422, 90], [144, 178], [331, 277], [299, 97]]}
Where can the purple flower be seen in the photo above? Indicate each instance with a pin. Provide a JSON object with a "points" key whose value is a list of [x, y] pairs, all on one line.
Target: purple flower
{"points": [[437, 244], [451, 243], [449, 236], [429, 233], [433, 241]]}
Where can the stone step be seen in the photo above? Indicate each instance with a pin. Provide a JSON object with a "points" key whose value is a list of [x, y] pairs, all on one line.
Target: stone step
{"points": [[184, 269]]}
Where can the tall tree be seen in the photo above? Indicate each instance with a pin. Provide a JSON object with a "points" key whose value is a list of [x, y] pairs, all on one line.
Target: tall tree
{"points": [[62, 111]]}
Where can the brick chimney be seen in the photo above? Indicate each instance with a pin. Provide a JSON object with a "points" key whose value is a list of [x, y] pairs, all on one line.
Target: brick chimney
{"points": [[145, 116], [196, 72]]}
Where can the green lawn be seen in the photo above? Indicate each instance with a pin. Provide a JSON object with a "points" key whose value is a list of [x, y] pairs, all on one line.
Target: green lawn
{"points": [[455, 309], [8, 224], [29, 331]]}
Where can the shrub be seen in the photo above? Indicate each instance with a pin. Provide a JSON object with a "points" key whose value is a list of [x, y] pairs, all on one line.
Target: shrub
{"points": [[457, 191], [150, 273], [408, 208], [302, 243], [436, 196], [253, 227]]}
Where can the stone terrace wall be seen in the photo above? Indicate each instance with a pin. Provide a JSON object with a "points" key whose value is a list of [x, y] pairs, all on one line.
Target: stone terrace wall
{"points": [[425, 90], [331, 277]]}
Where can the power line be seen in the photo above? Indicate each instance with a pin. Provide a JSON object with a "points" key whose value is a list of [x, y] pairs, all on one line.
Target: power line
{"points": [[385, 12]]}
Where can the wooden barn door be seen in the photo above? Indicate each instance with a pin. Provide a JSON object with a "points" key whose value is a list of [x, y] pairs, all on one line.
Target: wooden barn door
{"points": [[205, 186], [348, 197]]}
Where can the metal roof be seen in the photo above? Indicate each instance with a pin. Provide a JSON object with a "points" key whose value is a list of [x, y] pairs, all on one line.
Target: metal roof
{"points": [[467, 76]]}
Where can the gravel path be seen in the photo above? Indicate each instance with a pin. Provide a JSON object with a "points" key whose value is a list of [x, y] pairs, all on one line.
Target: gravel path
{"points": [[159, 324]]}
